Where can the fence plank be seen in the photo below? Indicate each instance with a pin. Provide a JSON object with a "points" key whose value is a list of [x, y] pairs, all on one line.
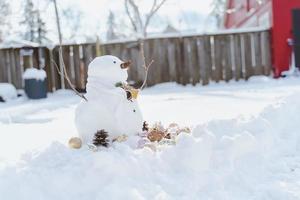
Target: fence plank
{"points": [[179, 59], [12, 67], [163, 60], [218, 58], [266, 52], [2, 77], [55, 53], [157, 50], [257, 57], [82, 68], [19, 69], [77, 63], [139, 67], [66, 57], [133, 73], [193, 62], [237, 60], [249, 71], [171, 55], [3, 67], [187, 49], [51, 85], [8, 66], [87, 51], [148, 59], [227, 59], [204, 58], [35, 58], [149, 49]]}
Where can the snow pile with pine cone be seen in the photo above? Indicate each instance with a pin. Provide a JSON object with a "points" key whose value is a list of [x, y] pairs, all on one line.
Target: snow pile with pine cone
{"points": [[248, 149]]}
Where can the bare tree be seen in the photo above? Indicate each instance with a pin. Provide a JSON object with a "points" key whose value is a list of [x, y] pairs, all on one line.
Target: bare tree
{"points": [[140, 22]]}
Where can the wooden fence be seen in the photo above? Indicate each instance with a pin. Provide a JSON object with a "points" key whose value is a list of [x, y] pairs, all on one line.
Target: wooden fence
{"points": [[187, 59]]}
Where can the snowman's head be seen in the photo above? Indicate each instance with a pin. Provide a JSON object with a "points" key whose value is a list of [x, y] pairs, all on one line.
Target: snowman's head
{"points": [[109, 69]]}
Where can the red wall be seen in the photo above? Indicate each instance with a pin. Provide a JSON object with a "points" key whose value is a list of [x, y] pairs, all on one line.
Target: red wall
{"points": [[280, 22], [281, 31]]}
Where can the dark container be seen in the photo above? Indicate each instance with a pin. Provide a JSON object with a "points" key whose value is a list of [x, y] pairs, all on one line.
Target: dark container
{"points": [[35, 89]]}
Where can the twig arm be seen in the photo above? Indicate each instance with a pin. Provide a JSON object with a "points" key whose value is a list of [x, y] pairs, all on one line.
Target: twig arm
{"points": [[146, 74], [69, 81]]}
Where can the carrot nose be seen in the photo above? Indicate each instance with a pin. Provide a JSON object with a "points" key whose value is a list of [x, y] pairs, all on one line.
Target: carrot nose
{"points": [[126, 65]]}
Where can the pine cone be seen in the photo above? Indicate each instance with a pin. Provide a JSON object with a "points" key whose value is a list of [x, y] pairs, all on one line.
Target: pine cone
{"points": [[145, 126], [101, 138]]}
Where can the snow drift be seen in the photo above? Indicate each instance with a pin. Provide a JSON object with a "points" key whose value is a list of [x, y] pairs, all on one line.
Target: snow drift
{"points": [[223, 159]]}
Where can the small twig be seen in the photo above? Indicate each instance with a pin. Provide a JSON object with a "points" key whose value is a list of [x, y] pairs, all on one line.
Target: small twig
{"points": [[145, 66], [69, 81], [146, 74], [143, 54]]}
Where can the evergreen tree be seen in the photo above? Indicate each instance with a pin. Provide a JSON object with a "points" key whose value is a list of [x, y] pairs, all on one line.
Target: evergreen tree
{"points": [[34, 26], [41, 30], [29, 24]]}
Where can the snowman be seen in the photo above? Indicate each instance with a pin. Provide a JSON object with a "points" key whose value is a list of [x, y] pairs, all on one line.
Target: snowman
{"points": [[111, 109]]}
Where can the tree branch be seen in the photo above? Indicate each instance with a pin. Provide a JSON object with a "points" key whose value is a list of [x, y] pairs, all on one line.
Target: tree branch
{"points": [[130, 17], [137, 14], [69, 81], [155, 7]]}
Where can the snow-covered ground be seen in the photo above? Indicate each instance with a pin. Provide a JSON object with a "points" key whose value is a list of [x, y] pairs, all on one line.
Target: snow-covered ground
{"points": [[245, 145]]}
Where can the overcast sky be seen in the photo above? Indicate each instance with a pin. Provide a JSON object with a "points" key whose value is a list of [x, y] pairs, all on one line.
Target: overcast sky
{"points": [[182, 14]]}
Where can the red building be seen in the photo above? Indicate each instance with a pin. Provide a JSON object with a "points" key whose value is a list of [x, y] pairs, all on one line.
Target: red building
{"points": [[275, 14]]}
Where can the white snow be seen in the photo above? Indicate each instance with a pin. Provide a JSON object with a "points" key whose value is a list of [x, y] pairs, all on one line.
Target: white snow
{"points": [[245, 145], [34, 73], [8, 91], [13, 42]]}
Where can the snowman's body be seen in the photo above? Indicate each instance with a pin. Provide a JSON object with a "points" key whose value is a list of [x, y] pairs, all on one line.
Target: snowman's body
{"points": [[107, 107]]}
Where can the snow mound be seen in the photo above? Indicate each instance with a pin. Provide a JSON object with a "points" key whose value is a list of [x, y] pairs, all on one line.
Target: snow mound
{"points": [[34, 73], [7, 91], [223, 159]]}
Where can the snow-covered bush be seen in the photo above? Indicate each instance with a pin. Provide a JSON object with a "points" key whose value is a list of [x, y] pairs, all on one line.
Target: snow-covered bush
{"points": [[7, 92]]}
